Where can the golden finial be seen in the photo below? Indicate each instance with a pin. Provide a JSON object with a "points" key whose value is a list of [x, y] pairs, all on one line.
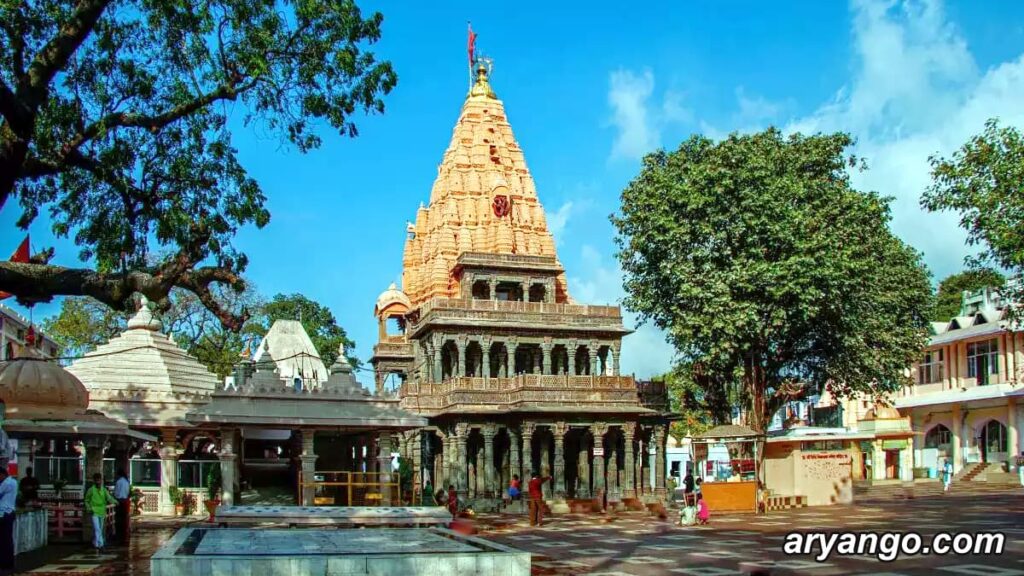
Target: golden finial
{"points": [[482, 87]]}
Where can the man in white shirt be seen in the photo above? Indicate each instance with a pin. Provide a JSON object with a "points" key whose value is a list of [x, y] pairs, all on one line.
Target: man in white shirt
{"points": [[122, 494], [8, 499]]}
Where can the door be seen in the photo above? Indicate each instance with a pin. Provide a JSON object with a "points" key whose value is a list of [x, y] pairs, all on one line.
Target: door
{"points": [[983, 444], [892, 461]]}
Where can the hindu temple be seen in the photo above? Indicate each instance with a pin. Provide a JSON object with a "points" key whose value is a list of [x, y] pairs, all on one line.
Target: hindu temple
{"points": [[486, 341]]}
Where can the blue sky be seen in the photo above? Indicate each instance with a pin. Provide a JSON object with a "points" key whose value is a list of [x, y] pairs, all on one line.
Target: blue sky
{"points": [[588, 89]]}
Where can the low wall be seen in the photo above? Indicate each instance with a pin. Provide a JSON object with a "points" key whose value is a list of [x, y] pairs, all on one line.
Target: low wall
{"points": [[30, 530]]}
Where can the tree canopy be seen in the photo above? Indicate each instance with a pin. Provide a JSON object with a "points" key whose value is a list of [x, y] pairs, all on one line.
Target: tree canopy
{"points": [[114, 118], [769, 271], [982, 182], [949, 295]]}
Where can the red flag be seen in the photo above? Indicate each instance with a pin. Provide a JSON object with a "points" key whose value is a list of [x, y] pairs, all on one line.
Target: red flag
{"points": [[20, 255], [472, 45]]}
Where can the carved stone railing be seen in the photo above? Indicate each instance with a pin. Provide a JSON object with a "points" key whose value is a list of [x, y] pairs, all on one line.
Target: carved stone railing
{"points": [[508, 260], [497, 394], [653, 394], [392, 349], [522, 313]]}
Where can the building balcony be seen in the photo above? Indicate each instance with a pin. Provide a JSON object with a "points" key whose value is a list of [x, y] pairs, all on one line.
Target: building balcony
{"points": [[550, 393], [515, 314], [393, 347]]}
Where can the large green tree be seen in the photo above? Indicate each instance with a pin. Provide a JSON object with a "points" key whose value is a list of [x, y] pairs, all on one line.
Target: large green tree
{"points": [[702, 400], [949, 296], [114, 119], [982, 183], [767, 269], [316, 319], [82, 324]]}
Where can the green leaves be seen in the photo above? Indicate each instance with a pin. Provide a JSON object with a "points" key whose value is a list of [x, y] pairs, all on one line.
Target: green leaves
{"points": [[114, 117], [984, 182], [761, 263]]}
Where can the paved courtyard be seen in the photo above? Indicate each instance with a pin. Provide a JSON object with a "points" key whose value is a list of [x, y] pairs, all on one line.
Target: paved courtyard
{"points": [[636, 544]]}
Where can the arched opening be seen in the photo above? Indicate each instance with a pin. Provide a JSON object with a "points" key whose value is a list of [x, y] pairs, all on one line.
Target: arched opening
{"points": [[394, 325], [474, 360], [449, 359], [537, 292], [481, 290], [498, 360], [993, 442], [583, 361], [938, 437], [559, 359]]}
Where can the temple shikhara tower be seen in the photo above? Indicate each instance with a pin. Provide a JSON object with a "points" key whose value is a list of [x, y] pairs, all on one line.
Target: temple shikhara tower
{"points": [[487, 342]]}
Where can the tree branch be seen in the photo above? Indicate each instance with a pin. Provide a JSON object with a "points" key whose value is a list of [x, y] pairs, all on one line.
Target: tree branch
{"points": [[33, 283], [54, 56]]}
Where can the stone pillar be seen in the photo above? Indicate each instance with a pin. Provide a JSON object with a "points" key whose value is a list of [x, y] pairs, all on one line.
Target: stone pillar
{"points": [[26, 456], [571, 349], [1012, 432], [658, 442], [955, 441], [490, 487], [492, 285], [513, 454], [438, 371], [385, 446], [228, 467], [598, 430], [592, 350], [546, 359], [629, 486], [485, 346], [614, 360], [93, 465], [461, 465], [584, 489], [527, 454], [545, 468], [559, 430], [307, 458], [168, 469], [510, 357], [460, 345], [448, 460], [652, 450]]}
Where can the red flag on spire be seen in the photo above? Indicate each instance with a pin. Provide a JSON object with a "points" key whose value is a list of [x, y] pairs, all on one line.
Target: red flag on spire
{"points": [[20, 255], [472, 45]]}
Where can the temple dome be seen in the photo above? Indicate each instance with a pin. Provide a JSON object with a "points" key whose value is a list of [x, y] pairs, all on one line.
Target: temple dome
{"points": [[391, 296], [882, 412], [33, 384], [483, 201]]}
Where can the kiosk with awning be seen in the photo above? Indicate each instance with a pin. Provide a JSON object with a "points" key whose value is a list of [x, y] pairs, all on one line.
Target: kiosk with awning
{"points": [[727, 456]]}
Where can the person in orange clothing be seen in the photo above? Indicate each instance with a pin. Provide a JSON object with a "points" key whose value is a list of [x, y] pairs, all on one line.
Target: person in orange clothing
{"points": [[536, 496]]}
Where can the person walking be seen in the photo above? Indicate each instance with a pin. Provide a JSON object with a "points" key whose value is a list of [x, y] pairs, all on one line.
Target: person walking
{"points": [[8, 500], [536, 496], [96, 500], [122, 493], [947, 474]]}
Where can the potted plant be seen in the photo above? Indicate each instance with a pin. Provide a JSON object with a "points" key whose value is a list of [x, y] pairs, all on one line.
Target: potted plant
{"points": [[213, 490], [177, 497], [58, 487], [136, 497]]}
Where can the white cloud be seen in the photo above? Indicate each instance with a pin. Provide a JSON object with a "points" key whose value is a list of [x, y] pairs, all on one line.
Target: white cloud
{"points": [[558, 219], [916, 91], [645, 353], [628, 95]]}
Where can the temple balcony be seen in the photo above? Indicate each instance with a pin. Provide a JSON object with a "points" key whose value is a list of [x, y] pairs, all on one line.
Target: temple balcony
{"points": [[554, 393], [515, 314]]}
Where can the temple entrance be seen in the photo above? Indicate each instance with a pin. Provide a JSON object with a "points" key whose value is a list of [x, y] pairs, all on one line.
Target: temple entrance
{"points": [[269, 472]]}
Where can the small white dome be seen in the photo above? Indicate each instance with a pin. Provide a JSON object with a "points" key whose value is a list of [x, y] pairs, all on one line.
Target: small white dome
{"points": [[391, 296]]}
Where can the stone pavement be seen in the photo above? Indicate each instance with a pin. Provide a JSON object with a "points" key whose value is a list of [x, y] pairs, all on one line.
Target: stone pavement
{"points": [[638, 545]]}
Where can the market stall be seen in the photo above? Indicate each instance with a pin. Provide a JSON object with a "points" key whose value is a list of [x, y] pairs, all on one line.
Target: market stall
{"points": [[727, 467]]}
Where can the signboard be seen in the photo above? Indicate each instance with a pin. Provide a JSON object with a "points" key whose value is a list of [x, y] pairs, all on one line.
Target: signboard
{"points": [[894, 444], [598, 451]]}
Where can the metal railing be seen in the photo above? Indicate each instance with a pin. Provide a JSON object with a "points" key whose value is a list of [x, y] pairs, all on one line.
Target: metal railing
{"points": [[342, 488]]}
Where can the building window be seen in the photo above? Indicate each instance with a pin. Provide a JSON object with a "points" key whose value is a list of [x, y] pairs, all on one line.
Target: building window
{"points": [[931, 368], [937, 436], [982, 360]]}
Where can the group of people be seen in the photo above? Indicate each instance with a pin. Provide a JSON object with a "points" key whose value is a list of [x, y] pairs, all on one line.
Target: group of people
{"points": [[692, 493], [14, 493]]}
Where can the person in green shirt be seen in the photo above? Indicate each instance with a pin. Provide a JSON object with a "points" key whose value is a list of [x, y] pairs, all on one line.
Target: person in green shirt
{"points": [[97, 497]]}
